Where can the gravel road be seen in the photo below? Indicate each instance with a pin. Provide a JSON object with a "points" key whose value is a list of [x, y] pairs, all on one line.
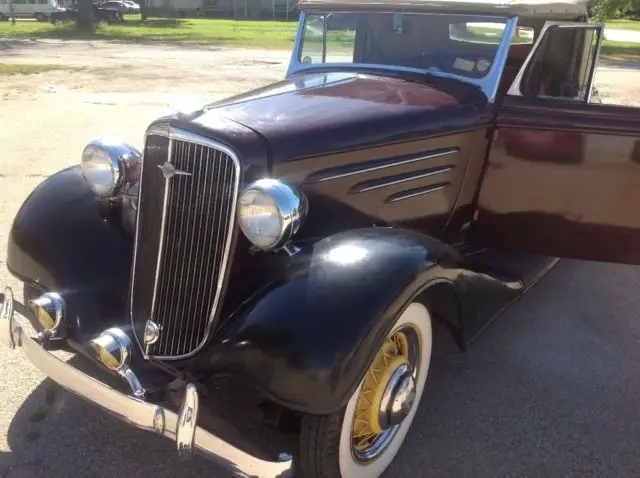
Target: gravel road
{"points": [[552, 389]]}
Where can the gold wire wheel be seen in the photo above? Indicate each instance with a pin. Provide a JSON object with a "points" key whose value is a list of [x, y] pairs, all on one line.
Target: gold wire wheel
{"points": [[400, 352]]}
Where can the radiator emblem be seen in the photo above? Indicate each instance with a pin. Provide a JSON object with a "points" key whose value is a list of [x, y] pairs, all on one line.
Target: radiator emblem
{"points": [[169, 171]]}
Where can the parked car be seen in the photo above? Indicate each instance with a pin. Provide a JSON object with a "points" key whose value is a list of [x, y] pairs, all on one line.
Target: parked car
{"points": [[120, 7], [266, 273], [132, 7]]}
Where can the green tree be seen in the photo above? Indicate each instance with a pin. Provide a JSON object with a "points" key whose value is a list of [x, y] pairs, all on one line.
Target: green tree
{"points": [[632, 7], [602, 10]]}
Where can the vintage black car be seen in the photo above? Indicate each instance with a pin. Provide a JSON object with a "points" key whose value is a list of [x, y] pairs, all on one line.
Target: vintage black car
{"points": [[266, 273], [100, 14]]}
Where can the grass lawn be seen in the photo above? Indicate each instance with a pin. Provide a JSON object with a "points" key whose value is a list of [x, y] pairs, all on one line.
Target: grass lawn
{"points": [[263, 34], [623, 24], [28, 69], [620, 51]]}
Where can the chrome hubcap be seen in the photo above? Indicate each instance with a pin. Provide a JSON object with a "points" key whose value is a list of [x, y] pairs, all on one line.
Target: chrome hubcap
{"points": [[398, 398]]}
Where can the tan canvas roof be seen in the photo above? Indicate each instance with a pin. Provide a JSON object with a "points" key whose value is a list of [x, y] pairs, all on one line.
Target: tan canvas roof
{"points": [[525, 8]]}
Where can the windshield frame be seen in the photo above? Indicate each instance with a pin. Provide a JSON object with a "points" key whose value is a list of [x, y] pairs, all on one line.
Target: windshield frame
{"points": [[488, 84]]}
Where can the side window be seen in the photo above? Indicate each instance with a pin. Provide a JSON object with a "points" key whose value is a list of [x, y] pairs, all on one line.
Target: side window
{"points": [[562, 63], [313, 40], [329, 38]]}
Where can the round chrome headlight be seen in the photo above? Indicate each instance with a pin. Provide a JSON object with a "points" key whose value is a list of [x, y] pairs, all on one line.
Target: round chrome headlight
{"points": [[270, 213], [106, 165]]}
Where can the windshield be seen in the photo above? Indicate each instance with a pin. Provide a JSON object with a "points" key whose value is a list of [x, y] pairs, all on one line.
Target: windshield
{"points": [[463, 45]]}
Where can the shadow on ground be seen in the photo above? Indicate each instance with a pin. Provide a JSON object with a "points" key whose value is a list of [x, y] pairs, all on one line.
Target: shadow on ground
{"points": [[551, 389]]}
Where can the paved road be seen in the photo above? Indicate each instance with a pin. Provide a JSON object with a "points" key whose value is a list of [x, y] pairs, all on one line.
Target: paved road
{"points": [[552, 389], [615, 34]]}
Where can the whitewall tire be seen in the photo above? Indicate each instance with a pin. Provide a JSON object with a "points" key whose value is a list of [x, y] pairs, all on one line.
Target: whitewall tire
{"points": [[362, 440]]}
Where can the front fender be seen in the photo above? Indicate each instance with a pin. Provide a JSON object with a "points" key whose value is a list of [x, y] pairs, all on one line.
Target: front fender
{"points": [[64, 239], [308, 338]]}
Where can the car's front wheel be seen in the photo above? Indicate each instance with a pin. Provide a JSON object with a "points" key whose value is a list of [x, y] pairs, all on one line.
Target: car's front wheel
{"points": [[363, 439]]}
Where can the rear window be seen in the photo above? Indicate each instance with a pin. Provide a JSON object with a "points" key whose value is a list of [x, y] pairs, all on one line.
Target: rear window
{"points": [[487, 32]]}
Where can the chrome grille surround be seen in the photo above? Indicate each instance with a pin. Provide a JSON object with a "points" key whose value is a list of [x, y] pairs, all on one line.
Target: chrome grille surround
{"points": [[155, 253]]}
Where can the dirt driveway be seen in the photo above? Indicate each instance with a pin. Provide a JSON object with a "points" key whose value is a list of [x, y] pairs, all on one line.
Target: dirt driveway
{"points": [[116, 91]]}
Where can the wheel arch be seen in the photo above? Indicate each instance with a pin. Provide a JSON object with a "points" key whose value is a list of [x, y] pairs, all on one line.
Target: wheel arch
{"points": [[307, 339]]}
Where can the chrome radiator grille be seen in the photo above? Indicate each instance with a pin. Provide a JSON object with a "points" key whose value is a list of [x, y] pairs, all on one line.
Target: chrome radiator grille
{"points": [[186, 215]]}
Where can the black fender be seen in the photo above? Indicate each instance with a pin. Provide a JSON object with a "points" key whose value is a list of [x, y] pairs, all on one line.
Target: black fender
{"points": [[64, 238], [307, 338]]}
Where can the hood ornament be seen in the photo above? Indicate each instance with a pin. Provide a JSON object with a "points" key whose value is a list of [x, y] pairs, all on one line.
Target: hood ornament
{"points": [[169, 171]]}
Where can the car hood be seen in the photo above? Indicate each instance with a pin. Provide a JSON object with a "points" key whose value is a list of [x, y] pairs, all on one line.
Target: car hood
{"points": [[321, 113]]}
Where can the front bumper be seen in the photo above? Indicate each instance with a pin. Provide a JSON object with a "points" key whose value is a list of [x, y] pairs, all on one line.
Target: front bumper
{"points": [[180, 427]]}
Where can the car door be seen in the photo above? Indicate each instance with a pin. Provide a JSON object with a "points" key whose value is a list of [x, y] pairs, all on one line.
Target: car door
{"points": [[562, 176]]}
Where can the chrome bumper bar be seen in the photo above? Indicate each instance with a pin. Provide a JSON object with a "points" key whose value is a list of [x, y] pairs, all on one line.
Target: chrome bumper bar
{"points": [[180, 427]]}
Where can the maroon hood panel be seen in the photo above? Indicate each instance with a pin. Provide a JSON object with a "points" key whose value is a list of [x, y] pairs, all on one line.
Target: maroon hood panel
{"points": [[323, 113]]}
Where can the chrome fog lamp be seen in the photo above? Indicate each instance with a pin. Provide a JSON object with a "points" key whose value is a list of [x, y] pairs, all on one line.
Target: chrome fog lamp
{"points": [[113, 348], [108, 166], [270, 212], [49, 310]]}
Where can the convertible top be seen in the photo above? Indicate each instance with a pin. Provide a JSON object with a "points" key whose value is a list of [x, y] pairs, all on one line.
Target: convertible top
{"points": [[566, 9]]}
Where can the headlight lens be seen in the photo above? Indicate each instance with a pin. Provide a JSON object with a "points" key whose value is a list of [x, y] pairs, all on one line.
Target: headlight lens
{"points": [[105, 165], [270, 212]]}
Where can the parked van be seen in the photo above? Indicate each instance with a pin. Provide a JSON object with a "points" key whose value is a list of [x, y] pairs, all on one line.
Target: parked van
{"points": [[177, 8], [38, 9]]}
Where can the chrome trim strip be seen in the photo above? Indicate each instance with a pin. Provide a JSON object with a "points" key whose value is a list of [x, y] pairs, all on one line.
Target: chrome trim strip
{"points": [[138, 413], [165, 201], [177, 134], [380, 164], [594, 65], [390, 181], [412, 193], [150, 131]]}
